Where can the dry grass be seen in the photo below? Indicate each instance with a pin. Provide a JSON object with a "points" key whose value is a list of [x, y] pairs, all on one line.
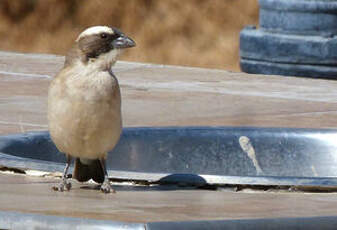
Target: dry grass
{"points": [[190, 32]]}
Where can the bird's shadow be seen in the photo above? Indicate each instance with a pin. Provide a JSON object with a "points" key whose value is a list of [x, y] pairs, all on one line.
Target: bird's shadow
{"points": [[142, 188], [168, 183]]}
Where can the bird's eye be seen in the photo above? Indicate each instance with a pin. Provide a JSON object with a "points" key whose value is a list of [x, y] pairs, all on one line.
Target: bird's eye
{"points": [[104, 35]]}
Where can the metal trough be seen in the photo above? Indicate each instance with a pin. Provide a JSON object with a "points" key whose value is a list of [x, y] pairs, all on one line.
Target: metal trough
{"points": [[194, 156], [199, 155]]}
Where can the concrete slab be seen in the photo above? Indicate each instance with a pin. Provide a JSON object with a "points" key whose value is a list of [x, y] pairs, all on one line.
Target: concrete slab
{"points": [[145, 204], [156, 95]]}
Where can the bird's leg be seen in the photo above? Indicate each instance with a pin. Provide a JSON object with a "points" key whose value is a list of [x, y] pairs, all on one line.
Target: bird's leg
{"points": [[105, 187], [64, 185]]}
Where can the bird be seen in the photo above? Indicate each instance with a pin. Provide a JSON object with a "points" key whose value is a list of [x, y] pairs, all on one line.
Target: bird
{"points": [[84, 105]]}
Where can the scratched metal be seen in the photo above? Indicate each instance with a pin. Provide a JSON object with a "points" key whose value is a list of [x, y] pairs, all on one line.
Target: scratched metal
{"points": [[8, 220], [215, 155]]}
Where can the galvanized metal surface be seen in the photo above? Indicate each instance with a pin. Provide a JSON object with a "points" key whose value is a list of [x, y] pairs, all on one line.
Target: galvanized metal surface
{"points": [[22, 221], [199, 155], [33, 221]]}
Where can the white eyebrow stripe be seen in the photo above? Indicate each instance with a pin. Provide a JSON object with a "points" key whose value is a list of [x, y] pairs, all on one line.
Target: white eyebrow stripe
{"points": [[95, 30]]}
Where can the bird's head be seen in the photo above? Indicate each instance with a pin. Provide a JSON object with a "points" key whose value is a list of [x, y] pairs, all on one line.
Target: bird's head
{"points": [[101, 45]]}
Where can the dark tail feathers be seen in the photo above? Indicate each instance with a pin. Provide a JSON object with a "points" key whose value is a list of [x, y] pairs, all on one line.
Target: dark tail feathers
{"points": [[85, 172]]}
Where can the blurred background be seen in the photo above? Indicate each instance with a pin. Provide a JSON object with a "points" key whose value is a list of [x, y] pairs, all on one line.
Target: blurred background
{"points": [[190, 33]]}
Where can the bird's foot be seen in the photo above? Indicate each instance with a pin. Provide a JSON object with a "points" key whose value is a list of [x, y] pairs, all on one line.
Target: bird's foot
{"points": [[63, 186], [106, 187]]}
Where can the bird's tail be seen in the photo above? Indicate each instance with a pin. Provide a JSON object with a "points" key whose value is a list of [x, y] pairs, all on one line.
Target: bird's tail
{"points": [[91, 169]]}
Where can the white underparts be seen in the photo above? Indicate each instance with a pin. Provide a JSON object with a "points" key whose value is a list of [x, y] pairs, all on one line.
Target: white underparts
{"points": [[104, 61], [90, 76]]}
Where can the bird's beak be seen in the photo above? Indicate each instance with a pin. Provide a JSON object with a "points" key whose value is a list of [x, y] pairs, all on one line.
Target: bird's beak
{"points": [[123, 42]]}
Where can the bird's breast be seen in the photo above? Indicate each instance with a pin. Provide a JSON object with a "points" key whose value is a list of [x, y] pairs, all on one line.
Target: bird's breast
{"points": [[84, 114]]}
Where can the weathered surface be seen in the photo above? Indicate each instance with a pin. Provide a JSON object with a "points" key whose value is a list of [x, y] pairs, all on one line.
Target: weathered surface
{"points": [[147, 205], [155, 95]]}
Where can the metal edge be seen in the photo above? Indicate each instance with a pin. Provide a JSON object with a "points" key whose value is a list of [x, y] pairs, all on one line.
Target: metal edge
{"points": [[305, 223], [189, 179], [18, 221], [141, 128]]}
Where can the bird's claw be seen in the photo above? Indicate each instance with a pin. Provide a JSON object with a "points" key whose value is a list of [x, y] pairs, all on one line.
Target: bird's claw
{"points": [[63, 186], [106, 187]]}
